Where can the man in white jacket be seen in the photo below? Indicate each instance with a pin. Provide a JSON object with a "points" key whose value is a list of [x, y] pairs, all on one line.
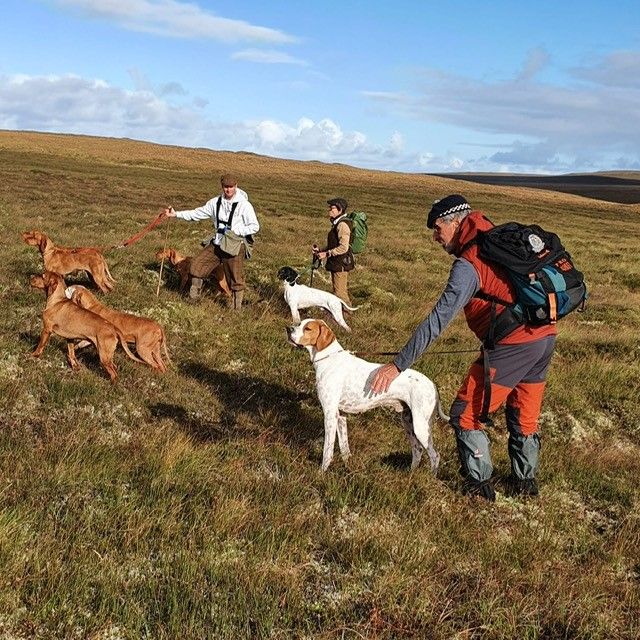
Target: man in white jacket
{"points": [[232, 212]]}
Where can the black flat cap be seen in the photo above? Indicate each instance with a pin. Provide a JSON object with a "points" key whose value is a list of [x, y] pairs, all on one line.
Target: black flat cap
{"points": [[450, 204]]}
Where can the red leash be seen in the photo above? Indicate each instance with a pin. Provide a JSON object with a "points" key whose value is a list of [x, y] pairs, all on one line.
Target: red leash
{"points": [[134, 238]]}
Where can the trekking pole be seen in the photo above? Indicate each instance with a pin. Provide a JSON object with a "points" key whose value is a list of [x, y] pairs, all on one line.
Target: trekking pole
{"points": [[315, 262], [166, 237]]}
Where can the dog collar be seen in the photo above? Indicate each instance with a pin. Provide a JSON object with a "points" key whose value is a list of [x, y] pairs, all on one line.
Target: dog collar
{"points": [[327, 356]]}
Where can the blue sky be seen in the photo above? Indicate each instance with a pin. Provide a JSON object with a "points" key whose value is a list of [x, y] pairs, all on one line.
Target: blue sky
{"points": [[537, 87]]}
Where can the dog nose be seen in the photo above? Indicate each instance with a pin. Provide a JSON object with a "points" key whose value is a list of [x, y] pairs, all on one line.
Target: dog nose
{"points": [[289, 331]]}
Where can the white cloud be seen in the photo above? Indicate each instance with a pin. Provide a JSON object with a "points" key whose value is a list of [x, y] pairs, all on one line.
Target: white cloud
{"points": [[76, 105], [175, 19], [563, 124], [265, 56]]}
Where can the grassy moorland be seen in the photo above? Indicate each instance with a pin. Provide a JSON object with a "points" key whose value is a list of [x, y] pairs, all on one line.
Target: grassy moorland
{"points": [[191, 505]]}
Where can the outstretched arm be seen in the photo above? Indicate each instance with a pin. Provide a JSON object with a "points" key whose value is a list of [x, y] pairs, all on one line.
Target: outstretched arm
{"points": [[461, 286]]}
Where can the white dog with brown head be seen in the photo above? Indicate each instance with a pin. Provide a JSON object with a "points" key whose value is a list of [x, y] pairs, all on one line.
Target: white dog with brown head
{"points": [[343, 383]]}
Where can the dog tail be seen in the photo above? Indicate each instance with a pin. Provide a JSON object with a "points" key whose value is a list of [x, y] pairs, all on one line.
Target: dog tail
{"points": [[443, 416], [125, 346], [346, 306], [106, 270], [165, 349]]}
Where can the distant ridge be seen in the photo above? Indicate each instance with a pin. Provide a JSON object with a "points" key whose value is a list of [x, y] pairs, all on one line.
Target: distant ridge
{"points": [[610, 186]]}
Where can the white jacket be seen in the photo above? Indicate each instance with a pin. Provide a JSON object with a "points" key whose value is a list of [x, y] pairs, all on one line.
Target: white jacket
{"points": [[244, 223]]}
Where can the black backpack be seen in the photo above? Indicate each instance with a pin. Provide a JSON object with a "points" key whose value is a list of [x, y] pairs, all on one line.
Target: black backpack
{"points": [[546, 283], [547, 286]]}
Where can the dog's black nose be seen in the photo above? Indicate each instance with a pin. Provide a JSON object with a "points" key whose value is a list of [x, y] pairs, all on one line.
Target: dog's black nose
{"points": [[289, 331]]}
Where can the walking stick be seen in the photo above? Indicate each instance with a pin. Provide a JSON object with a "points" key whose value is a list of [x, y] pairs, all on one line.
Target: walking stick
{"points": [[315, 263], [166, 237]]}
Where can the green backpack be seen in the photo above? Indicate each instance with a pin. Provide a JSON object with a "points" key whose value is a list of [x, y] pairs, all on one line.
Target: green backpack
{"points": [[359, 230]]}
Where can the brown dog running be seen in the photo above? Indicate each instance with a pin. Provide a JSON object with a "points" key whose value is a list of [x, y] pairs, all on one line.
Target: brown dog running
{"points": [[70, 321], [147, 335], [182, 264], [64, 260]]}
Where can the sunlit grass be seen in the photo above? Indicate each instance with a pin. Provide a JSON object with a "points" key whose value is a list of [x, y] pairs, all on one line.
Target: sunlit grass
{"points": [[191, 505]]}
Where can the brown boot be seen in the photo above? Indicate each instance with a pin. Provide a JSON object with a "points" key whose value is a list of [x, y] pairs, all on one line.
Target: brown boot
{"points": [[237, 300]]}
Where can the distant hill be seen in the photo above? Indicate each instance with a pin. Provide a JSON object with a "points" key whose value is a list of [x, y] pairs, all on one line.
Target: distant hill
{"points": [[614, 186]]}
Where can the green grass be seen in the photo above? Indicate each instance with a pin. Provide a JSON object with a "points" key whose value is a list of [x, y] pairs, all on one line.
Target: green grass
{"points": [[191, 505]]}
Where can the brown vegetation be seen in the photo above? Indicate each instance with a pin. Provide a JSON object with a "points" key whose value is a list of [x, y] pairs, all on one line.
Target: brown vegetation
{"points": [[190, 505]]}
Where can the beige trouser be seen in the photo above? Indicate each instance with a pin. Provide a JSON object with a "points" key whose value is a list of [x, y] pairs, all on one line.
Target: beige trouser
{"points": [[339, 281], [210, 257]]}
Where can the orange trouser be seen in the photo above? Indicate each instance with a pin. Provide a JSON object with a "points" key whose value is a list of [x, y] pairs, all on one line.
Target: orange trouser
{"points": [[518, 374]]}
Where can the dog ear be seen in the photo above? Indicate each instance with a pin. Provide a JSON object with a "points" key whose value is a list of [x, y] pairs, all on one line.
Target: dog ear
{"points": [[50, 282], [325, 336], [43, 241]]}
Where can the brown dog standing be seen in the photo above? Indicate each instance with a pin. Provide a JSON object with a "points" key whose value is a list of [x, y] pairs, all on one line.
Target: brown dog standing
{"points": [[182, 264], [147, 335], [64, 260], [70, 321]]}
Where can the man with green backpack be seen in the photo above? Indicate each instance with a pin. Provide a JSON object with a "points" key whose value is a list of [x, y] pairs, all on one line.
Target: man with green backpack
{"points": [[347, 236]]}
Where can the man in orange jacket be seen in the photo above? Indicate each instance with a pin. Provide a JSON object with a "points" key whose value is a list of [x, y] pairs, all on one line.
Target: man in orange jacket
{"points": [[518, 360]]}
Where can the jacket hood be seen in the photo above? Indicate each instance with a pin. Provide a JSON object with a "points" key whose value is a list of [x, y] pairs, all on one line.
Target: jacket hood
{"points": [[239, 195], [476, 221]]}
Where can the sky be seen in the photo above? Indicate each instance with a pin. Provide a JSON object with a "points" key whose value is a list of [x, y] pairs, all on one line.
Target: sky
{"points": [[412, 86]]}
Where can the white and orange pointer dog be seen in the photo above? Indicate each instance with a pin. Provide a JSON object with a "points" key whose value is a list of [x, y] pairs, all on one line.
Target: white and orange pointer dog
{"points": [[343, 382]]}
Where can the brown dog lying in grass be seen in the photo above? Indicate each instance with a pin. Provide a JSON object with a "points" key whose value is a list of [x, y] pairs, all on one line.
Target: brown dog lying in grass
{"points": [[70, 321], [147, 335], [182, 264], [64, 260]]}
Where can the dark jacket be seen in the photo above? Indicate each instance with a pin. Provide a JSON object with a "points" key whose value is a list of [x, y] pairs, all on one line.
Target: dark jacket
{"points": [[344, 261]]}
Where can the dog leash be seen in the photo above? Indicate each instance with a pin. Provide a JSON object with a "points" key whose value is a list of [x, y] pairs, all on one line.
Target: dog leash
{"points": [[395, 353], [140, 234]]}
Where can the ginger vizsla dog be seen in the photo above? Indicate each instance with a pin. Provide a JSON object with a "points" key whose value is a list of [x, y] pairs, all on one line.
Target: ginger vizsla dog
{"points": [[343, 382], [147, 335], [70, 321], [64, 260], [182, 264]]}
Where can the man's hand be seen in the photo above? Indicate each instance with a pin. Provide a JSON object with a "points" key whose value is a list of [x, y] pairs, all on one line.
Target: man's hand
{"points": [[168, 212], [385, 375]]}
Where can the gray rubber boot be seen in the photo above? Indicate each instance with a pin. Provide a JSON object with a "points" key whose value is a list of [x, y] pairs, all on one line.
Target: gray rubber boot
{"points": [[474, 454], [237, 300], [524, 452], [195, 292]]}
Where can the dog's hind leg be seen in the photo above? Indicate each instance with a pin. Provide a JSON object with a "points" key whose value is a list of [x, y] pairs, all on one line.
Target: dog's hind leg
{"points": [[416, 447], [336, 311], [148, 353], [343, 439], [423, 432], [106, 348], [71, 355]]}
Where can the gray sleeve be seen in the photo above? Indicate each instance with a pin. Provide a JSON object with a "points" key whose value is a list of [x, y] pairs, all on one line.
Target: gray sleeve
{"points": [[462, 285]]}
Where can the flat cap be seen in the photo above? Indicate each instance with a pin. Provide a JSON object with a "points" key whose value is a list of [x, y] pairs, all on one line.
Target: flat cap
{"points": [[445, 206]]}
